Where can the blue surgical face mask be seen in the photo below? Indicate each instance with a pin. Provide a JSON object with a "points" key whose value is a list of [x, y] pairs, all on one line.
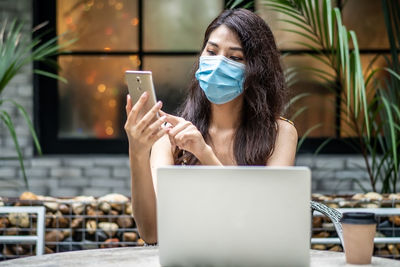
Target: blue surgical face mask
{"points": [[220, 78]]}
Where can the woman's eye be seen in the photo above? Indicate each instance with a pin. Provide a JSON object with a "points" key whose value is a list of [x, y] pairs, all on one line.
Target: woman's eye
{"points": [[236, 58], [210, 52]]}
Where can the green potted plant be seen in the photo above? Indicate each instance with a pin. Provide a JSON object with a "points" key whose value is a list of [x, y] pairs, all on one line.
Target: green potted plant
{"points": [[18, 49], [370, 104]]}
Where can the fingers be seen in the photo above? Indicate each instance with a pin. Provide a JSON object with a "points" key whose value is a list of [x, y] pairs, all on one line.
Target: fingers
{"points": [[154, 127], [146, 120], [178, 128], [173, 120], [128, 106], [137, 107]]}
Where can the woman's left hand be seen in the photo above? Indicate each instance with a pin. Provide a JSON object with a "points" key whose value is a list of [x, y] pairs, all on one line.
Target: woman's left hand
{"points": [[186, 136]]}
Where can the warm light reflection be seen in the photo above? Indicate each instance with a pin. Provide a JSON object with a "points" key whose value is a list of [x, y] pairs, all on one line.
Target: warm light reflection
{"points": [[107, 48], [134, 21], [101, 88], [109, 131], [112, 103], [90, 3], [109, 30], [68, 20], [90, 80], [119, 6]]}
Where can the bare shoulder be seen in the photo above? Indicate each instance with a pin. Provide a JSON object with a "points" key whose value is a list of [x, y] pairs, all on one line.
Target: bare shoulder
{"points": [[284, 152], [286, 130]]}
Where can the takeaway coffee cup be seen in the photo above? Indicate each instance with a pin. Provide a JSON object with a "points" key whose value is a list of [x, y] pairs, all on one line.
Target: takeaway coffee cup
{"points": [[358, 236]]}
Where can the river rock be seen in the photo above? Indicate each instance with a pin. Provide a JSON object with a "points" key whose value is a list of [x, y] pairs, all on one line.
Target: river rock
{"points": [[394, 196], [336, 248], [125, 221], [395, 220], [76, 223], [18, 249], [64, 208], [382, 253], [117, 201], [52, 206], [140, 242], [373, 196], [48, 250], [105, 207], [128, 208], [317, 221], [379, 245], [109, 228], [4, 222], [59, 220], [130, 237], [369, 205], [12, 231], [79, 203], [318, 247], [19, 219], [91, 226], [110, 243], [321, 235], [28, 196], [7, 251], [1, 202], [48, 218], [54, 236], [358, 196], [94, 212], [321, 197], [393, 250]]}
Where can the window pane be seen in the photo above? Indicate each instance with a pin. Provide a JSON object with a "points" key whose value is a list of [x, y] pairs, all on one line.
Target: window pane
{"points": [[92, 103], [366, 18], [171, 76], [319, 105], [285, 40], [177, 24], [108, 25]]}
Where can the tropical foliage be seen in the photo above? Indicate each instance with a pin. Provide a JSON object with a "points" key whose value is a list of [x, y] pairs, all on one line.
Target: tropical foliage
{"points": [[370, 105], [17, 50]]}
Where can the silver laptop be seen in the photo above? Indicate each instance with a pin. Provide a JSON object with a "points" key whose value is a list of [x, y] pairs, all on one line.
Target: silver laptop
{"points": [[234, 216]]}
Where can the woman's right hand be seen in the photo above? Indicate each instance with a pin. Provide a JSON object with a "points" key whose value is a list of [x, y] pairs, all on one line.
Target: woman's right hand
{"points": [[142, 132]]}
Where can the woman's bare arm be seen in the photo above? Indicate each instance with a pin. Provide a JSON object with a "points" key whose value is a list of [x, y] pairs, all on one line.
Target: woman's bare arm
{"points": [[284, 152]]}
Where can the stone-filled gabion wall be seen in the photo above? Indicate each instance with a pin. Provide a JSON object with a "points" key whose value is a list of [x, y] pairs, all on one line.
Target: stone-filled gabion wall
{"points": [[82, 222]]}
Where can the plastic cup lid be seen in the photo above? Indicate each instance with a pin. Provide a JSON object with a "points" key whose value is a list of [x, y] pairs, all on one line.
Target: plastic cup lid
{"points": [[358, 218]]}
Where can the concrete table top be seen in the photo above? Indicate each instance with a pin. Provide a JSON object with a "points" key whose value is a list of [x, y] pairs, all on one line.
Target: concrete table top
{"points": [[148, 257]]}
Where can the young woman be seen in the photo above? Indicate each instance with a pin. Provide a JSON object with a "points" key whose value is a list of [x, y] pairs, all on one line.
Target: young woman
{"points": [[231, 115]]}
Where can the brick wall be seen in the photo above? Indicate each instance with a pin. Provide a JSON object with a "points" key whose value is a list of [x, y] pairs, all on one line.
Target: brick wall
{"points": [[72, 175]]}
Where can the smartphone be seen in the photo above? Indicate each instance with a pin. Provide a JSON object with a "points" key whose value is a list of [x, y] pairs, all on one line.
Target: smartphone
{"points": [[138, 83]]}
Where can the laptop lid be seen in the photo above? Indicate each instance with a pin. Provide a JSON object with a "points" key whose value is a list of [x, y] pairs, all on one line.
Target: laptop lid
{"points": [[236, 216]]}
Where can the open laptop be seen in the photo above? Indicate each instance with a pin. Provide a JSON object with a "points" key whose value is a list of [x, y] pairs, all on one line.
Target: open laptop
{"points": [[234, 216]]}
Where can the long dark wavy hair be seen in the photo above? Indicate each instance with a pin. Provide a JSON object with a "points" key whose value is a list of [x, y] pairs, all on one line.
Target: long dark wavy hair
{"points": [[264, 91]]}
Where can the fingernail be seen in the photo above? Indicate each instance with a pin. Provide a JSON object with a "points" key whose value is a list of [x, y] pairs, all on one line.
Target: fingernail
{"points": [[144, 94], [159, 103], [163, 118]]}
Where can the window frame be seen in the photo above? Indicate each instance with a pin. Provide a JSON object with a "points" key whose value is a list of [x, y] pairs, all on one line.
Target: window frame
{"points": [[45, 97]]}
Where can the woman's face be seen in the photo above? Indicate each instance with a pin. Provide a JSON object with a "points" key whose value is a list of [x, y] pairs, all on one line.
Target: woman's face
{"points": [[225, 42]]}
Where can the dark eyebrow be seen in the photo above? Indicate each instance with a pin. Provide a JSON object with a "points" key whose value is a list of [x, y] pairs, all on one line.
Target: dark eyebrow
{"points": [[231, 48]]}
